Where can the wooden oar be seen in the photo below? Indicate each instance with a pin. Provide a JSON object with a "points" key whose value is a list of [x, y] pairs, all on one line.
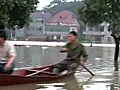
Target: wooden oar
{"points": [[87, 69], [81, 64], [37, 72]]}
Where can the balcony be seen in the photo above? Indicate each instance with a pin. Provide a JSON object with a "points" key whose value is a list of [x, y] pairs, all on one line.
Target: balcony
{"points": [[93, 33]]}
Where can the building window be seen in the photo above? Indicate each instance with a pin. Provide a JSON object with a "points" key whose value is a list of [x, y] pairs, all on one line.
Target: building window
{"points": [[60, 16], [101, 28], [59, 22], [40, 28], [42, 21], [37, 21], [109, 39]]}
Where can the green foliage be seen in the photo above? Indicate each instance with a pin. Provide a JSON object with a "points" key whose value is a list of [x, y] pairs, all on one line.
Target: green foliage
{"points": [[70, 6], [16, 12], [94, 12]]}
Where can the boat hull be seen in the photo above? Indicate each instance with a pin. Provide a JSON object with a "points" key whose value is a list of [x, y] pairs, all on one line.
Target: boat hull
{"points": [[20, 77]]}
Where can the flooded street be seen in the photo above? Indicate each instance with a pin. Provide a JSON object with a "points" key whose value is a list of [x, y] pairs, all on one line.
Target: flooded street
{"points": [[100, 62]]}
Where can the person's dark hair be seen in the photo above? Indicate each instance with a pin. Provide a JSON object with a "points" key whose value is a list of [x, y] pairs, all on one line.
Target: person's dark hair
{"points": [[3, 34], [73, 33]]}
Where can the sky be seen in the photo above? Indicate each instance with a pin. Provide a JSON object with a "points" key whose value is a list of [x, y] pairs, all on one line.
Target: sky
{"points": [[43, 3]]}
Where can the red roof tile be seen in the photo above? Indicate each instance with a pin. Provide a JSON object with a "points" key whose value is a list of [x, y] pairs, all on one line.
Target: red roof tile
{"points": [[64, 17]]}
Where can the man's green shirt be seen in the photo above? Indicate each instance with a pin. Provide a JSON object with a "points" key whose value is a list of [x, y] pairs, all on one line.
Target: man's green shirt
{"points": [[78, 50]]}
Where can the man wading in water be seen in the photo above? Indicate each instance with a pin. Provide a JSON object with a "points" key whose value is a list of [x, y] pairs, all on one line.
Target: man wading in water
{"points": [[74, 51], [7, 54]]}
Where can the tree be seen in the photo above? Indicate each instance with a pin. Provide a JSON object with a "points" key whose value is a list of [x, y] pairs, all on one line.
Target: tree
{"points": [[94, 12], [16, 12], [53, 3], [63, 5]]}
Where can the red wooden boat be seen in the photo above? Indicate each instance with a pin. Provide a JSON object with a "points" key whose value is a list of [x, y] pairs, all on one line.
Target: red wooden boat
{"points": [[24, 76]]}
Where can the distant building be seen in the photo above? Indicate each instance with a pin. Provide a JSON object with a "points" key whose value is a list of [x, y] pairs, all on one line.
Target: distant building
{"points": [[97, 34], [107, 37], [45, 26], [94, 33], [20, 34], [60, 24], [36, 28]]}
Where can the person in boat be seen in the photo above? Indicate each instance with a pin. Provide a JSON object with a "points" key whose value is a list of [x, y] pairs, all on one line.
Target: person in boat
{"points": [[75, 51], [7, 54]]}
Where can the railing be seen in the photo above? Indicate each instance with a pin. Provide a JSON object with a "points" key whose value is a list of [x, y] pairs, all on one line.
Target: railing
{"points": [[93, 33]]}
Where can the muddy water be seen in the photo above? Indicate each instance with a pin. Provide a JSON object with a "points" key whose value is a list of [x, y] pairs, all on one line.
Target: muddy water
{"points": [[100, 62]]}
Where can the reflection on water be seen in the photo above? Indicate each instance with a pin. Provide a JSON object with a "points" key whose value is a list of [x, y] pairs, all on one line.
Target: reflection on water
{"points": [[51, 86], [100, 62], [35, 56], [97, 86]]}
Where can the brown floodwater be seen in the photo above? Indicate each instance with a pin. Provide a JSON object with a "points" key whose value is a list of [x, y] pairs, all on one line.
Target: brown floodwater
{"points": [[100, 62]]}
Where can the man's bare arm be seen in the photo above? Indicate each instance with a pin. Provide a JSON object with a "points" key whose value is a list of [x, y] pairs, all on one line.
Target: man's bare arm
{"points": [[10, 63]]}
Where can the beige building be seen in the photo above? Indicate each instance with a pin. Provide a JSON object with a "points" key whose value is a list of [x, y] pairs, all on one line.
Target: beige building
{"points": [[60, 24]]}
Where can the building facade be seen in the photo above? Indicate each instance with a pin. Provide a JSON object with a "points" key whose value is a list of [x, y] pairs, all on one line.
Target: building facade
{"points": [[60, 24], [45, 26], [36, 29], [98, 34]]}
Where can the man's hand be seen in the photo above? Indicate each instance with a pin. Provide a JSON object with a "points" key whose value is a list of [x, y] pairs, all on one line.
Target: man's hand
{"points": [[64, 50], [82, 62], [7, 67]]}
